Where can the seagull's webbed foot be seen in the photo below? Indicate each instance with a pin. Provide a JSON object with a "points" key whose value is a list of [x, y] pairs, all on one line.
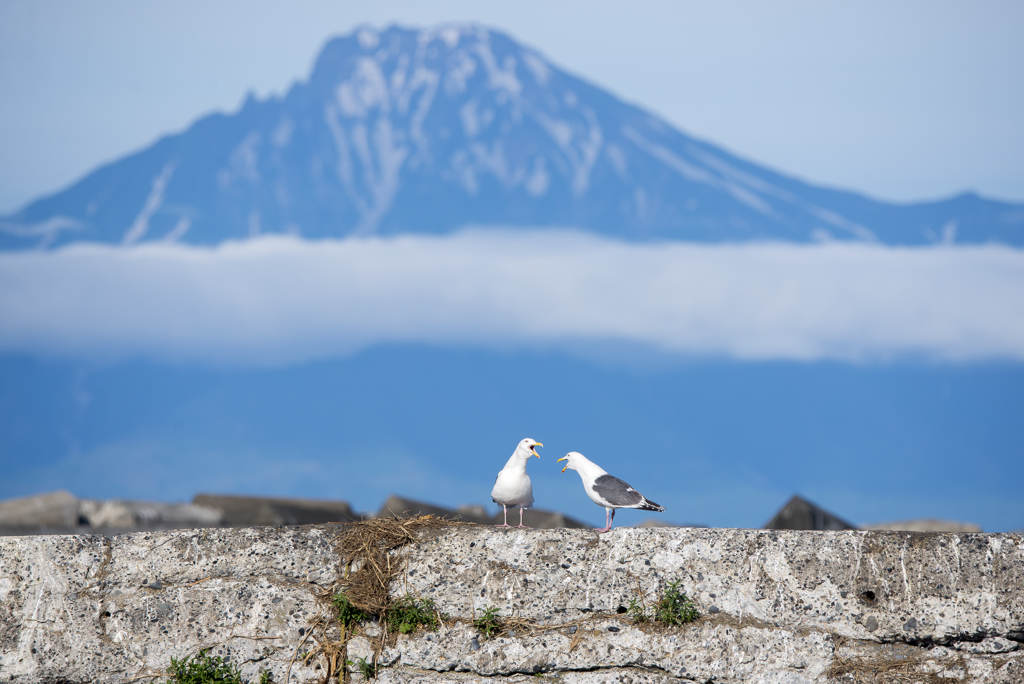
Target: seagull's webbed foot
{"points": [[521, 519]]}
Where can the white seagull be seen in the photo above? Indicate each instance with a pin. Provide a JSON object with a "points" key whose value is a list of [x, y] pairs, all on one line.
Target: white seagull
{"points": [[606, 490], [512, 487]]}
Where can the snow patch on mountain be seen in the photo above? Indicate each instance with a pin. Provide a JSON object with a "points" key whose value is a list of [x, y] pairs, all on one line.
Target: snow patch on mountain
{"points": [[140, 226]]}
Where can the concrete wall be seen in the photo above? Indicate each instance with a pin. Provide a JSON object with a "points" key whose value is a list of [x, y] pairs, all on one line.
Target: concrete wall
{"points": [[779, 606]]}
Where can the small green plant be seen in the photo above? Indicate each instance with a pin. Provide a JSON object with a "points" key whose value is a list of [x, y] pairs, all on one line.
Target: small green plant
{"points": [[348, 614], [203, 668], [408, 613], [636, 611], [675, 607], [488, 623], [367, 669]]}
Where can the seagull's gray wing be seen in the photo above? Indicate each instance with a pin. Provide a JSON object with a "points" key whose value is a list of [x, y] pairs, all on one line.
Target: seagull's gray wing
{"points": [[616, 492]]}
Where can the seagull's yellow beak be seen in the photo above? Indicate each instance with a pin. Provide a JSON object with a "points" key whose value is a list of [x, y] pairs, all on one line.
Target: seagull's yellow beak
{"points": [[536, 444], [564, 458]]}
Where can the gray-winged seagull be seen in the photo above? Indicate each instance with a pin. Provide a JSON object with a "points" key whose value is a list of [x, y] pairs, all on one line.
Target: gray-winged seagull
{"points": [[606, 490]]}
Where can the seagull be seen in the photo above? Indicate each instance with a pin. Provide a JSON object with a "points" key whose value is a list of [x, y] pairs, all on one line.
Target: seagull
{"points": [[606, 490], [512, 487]]}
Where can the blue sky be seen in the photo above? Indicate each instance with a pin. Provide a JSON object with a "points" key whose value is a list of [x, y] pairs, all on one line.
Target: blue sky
{"points": [[903, 101]]}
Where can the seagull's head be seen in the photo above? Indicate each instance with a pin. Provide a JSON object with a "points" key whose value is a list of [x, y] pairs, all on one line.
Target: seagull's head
{"points": [[572, 460], [528, 447]]}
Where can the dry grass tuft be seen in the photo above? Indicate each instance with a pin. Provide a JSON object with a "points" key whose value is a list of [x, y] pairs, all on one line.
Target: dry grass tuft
{"points": [[861, 670], [365, 550], [366, 546]]}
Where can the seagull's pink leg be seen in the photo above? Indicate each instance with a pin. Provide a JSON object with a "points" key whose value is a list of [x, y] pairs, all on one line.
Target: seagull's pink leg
{"points": [[506, 517], [521, 518], [607, 522]]}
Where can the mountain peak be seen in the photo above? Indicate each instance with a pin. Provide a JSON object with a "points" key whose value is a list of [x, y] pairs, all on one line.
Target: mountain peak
{"points": [[430, 130]]}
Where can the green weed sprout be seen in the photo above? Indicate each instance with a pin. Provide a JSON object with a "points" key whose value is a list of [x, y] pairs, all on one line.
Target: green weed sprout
{"points": [[675, 607], [367, 669], [203, 668], [409, 613], [636, 611], [348, 614], [488, 623]]}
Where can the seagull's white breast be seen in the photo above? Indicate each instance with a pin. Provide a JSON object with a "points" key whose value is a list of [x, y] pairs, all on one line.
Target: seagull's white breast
{"points": [[513, 488]]}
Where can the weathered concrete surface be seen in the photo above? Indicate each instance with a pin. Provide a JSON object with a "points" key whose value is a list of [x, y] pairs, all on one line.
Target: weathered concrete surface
{"points": [[98, 609], [780, 606]]}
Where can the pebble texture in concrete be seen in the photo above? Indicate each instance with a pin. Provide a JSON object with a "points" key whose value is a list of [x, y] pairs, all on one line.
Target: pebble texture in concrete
{"points": [[778, 606], [117, 609]]}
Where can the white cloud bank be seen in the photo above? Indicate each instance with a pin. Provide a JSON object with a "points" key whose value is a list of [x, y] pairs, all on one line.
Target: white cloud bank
{"points": [[281, 300]]}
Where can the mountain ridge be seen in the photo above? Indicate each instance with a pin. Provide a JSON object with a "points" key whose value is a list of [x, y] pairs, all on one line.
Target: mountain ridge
{"points": [[427, 131]]}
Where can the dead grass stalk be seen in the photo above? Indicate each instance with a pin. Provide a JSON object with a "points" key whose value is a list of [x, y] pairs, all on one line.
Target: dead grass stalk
{"points": [[875, 670]]}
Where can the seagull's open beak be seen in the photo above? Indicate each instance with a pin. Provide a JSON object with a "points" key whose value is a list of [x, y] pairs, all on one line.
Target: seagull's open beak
{"points": [[537, 444], [564, 458]]}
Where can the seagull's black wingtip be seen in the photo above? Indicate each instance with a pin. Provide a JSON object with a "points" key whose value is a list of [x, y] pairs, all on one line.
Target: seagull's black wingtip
{"points": [[646, 505]]}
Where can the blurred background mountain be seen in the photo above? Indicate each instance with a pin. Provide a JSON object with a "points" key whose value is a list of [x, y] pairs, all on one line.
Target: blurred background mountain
{"points": [[426, 132]]}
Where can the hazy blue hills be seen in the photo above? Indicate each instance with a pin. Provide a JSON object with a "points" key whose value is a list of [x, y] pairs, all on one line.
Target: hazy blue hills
{"points": [[429, 131]]}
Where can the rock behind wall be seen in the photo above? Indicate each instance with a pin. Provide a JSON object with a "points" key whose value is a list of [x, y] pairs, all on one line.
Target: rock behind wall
{"points": [[777, 606]]}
